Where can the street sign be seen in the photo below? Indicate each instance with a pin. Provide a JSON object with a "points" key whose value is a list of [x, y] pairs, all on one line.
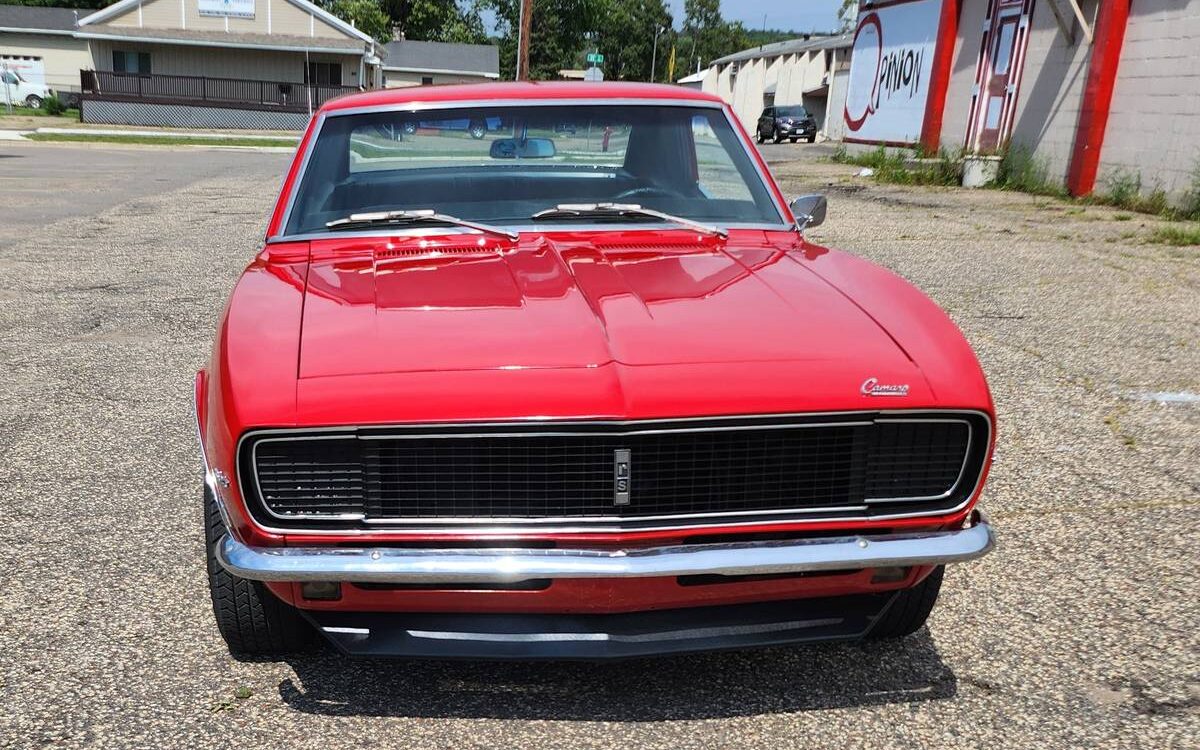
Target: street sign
{"points": [[595, 57]]}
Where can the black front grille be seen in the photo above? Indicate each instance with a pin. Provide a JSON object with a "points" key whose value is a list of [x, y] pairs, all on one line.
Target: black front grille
{"points": [[853, 464]]}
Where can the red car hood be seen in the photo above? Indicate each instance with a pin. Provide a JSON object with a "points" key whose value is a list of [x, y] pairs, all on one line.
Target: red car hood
{"points": [[389, 306]]}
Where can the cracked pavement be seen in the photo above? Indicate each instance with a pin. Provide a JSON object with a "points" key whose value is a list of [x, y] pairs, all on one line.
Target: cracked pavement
{"points": [[1081, 630]]}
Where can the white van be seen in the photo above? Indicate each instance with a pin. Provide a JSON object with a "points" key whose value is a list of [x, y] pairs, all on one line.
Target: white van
{"points": [[20, 91]]}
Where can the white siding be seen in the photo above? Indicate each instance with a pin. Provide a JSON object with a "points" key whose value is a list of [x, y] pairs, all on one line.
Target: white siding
{"points": [[255, 65], [790, 74], [270, 17]]}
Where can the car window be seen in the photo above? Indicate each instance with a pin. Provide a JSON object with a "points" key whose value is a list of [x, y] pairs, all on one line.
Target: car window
{"points": [[450, 140], [718, 175], [503, 164], [792, 112]]}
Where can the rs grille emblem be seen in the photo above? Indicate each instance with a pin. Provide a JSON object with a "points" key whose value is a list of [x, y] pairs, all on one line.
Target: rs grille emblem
{"points": [[622, 476]]}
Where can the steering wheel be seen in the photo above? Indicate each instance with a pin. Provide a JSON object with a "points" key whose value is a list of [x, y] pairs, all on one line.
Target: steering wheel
{"points": [[646, 191]]}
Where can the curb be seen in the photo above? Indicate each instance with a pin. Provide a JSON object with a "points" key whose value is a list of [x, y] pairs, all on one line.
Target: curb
{"points": [[200, 136]]}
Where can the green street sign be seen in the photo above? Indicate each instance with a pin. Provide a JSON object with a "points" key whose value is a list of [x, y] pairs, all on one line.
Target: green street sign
{"points": [[595, 57]]}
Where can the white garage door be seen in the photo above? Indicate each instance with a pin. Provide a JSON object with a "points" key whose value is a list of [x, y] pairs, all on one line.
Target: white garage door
{"points": [[30, 68]]}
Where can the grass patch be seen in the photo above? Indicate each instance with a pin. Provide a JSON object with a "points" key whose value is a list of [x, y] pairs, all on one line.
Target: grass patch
{"points": [[149, 140], [904, 168], [1123, 189], [1190, 208], [44, 111], [1176, 236], [1021, 171]]}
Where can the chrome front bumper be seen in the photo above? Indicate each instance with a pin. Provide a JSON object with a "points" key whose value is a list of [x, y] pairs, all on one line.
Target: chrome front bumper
{"points": [[498, 566]]}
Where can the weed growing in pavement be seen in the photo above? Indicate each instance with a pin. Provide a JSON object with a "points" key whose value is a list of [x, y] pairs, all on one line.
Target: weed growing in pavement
{"points": [[899, 167], [1021, 171], [54, 106], [1124, 189], [1190, 207], [1176, 236]]}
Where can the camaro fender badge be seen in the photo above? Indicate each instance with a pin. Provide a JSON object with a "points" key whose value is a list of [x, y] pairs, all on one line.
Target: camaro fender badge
{"points": [[622, 475], [872, 387]]}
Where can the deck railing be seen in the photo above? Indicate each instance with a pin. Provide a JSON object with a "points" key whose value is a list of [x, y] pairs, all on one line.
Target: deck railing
{"points": [[286, 96]]}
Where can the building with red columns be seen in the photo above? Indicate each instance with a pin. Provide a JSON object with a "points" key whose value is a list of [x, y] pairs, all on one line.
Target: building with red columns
{"points": [[1094, 88]]}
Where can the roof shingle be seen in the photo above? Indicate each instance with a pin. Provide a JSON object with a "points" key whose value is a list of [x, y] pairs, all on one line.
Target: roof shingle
{"points": [[38, 19], [482, 59]]}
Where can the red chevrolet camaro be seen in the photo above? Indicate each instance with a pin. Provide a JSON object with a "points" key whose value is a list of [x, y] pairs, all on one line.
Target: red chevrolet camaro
{"points": [[578, 388]]}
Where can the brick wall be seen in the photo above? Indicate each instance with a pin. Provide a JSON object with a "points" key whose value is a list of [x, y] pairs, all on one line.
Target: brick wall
{"points": [[1052, 84], [1154, 123]]}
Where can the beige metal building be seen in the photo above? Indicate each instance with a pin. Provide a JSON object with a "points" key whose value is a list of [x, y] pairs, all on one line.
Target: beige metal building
{"points": [[810, 71], [1098, 91]]}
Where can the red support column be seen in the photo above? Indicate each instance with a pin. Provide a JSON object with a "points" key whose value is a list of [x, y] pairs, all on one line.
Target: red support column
{"points": [[939, 82], [1097, 96]]}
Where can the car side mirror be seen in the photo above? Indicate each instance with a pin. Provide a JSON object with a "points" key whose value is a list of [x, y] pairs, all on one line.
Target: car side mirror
{"points": [[809, 211]]}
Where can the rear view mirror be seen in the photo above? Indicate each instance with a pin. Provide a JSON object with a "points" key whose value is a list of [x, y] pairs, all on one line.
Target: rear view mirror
{"points": [[528, 148], [809, 210]]}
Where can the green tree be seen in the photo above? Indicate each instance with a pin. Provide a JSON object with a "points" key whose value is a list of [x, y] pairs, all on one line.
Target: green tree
{"points": [[365, 15], [848, 14], [438, 20], [625, 36], [707, 36], [557, 40]]}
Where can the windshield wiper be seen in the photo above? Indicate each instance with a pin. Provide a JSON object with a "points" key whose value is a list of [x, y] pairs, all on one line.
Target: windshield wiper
{"points": [[415, 217], [567, 210]]}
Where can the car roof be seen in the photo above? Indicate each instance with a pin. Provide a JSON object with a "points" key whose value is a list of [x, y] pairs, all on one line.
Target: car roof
{"points": [[522, 91]]}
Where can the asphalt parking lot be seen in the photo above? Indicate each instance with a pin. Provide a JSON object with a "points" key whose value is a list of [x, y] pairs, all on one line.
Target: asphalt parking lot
{"points": [[1081, 630]]}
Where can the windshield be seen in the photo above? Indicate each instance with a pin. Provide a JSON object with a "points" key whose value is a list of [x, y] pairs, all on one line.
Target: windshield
{"points": [[791, 112], [502, 165]]}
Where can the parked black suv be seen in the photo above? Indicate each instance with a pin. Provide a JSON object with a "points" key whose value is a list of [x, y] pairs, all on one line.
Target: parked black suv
{"points": [[792, 123]]}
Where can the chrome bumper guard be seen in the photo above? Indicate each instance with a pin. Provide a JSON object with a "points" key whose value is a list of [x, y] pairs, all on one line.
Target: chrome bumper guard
{"points": [[498, 566]]}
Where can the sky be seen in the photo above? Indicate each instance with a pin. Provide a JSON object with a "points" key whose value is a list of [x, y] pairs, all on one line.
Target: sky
{"points": [[792, 15], [789, 15]]}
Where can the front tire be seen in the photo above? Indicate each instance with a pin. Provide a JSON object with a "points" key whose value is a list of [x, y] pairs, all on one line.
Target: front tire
{"points": [[812, 138], [778, 137], [251, 619], [33, 101], [910, 609], [478, 130]]}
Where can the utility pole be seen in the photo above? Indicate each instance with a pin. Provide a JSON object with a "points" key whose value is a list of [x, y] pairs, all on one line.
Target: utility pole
{"points": [[525, 24], [658, 30], [7, 90]]}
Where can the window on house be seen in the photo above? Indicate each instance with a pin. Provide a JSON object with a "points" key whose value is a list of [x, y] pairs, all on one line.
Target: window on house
{"points": [[137, 63], [324, 74], [426, 80]]}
